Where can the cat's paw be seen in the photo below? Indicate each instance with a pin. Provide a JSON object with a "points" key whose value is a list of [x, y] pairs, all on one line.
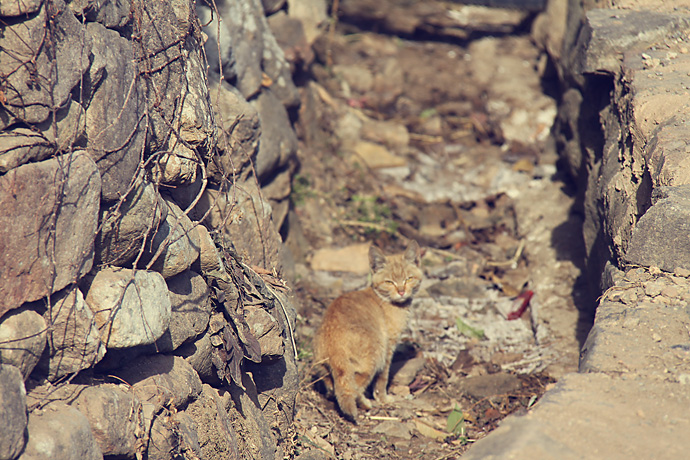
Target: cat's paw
{"points": [[383, 398], [365, 403]]}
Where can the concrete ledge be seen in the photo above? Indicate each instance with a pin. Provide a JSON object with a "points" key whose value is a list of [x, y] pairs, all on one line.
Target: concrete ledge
{"points": [[596, 416]]}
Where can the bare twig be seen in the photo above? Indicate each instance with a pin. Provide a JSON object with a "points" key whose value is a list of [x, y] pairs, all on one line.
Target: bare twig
{"points": [[513, 260], [331, 32], [356, 223]]}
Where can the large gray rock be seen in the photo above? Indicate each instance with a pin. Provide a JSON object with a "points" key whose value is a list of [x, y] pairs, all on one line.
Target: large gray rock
{"points": [[241, 128], [13, 417], [113, 15], [247, 49], [258, 440], [161, 380], [22, 145], [277, 68], [313, 14], [114, 414], [620, 135], [209, 259], [125, 225], [74, 342], [289, 33], [199, 355], [49, 220], [11, 8], [660, 237], [277, 192], [278, 139], [114, 122], [196, 123], [214, 430], [267, 331], [178, 165], [244, 217], [165, 384], [22, 339], [131, 307], [28, 95], [667, 154], [60, 432], [191, 310], [67, 128], [171, 56], [640, 328], [177, 242], [173, 437]]}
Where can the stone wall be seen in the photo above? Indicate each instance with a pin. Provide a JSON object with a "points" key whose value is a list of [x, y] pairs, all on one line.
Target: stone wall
{"points": [[621, 124], [623, 67], [145, 160]]}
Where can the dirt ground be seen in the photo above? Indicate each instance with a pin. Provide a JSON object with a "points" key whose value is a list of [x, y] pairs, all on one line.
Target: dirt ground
{"points": [[439, 134]]}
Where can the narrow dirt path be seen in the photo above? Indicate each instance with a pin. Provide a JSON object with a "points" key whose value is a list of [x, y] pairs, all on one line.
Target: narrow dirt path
{"points": [[446, 142]]}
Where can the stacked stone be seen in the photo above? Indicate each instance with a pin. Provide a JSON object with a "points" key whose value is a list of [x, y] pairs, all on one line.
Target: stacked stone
{"points": [[119, 157]]}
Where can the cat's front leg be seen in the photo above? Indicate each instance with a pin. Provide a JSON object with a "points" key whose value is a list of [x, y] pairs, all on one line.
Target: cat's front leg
{"points": [[380, 386], [380, 393]]}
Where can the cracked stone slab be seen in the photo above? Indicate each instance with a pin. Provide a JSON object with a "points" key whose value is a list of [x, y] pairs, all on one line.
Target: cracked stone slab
{"points": [[661, 235], [42, 250], [608, 33], [642, 327]]}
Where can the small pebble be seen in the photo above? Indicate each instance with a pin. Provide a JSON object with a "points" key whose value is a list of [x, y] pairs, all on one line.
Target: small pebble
{"points": [[682, 272], [652, 289], [638, 275], [670, 291], [661, 300], [684, 379]]}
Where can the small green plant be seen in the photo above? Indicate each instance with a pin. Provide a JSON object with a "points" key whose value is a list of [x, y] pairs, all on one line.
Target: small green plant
{"points": [[455, 424], [369, 209], [303, 354], [301, 189], [469, 331], [427, 113]]}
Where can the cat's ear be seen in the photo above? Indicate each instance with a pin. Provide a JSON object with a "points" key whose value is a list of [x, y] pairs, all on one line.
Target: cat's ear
{"points": [[377, 259], [413, 253]]}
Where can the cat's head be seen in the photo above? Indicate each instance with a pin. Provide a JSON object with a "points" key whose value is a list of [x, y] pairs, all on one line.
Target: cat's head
{"points": [[396, 278]]}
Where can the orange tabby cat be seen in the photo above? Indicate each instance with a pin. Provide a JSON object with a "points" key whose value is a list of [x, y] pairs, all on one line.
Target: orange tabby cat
{"points": [[360, 329]]}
